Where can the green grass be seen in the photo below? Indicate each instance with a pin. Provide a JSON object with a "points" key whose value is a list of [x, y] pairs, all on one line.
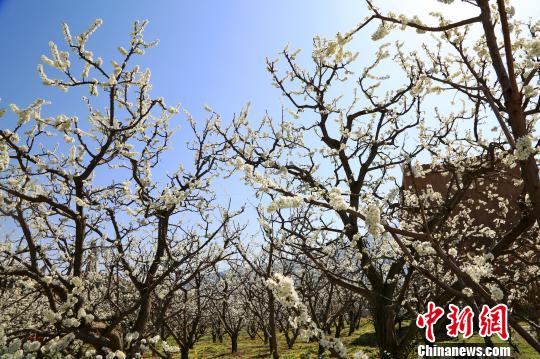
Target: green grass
{"points": [[363, 338], [255, 348]]}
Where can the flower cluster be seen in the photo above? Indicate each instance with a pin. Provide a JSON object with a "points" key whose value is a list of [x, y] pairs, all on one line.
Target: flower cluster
{"points": [[333, 49], [480, 267], [336, 201], [383, 30], [4, 156], [524, 148], [16, 348], [169, 349], [360, 355], [285, 202], [373, 220], [283, 288]]}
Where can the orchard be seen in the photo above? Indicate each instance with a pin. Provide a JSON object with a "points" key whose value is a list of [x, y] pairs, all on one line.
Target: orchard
{"points": [[389, 182]]}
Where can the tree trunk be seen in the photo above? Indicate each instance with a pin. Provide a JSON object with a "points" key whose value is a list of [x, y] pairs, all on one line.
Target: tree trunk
{"points": [[288, 341], [352, 328], [184, 353], [354, 320], [320, 352], [146, 294], [272, 326], [290, 338], [339, 326], [251, 331], [384, 322], [234, 343]]}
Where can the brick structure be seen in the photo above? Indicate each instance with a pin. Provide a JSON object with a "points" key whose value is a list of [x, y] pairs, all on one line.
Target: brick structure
{"points": [[478, 189]]}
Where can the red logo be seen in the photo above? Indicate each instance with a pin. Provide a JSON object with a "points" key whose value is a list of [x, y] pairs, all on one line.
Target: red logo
{"points": [[429, 319], [460, 321], [490, 321], [494, 321]]}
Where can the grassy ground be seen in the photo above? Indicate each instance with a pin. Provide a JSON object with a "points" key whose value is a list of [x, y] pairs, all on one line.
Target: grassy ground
{"points": [[248, 348], [363, 338]]}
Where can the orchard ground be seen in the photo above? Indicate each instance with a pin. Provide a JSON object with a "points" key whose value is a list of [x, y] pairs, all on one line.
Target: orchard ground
{"points": [[362, 339]]}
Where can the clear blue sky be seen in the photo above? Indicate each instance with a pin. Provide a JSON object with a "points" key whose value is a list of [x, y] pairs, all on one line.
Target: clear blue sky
{"points": [[210, 52]]}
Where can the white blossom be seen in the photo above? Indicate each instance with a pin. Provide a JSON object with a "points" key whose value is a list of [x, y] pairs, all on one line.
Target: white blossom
{"points": [[336, 200]]}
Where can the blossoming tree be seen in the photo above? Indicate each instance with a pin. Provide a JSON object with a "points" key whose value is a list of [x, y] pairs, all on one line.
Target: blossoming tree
{"points": [[96, 238], [341, 158]]}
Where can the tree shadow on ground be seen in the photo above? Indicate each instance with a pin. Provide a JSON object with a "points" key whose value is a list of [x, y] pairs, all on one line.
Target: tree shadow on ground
{"points": [[369, 339]]}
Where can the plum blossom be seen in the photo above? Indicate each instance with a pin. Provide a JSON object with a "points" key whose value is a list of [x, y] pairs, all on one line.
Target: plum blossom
{"points": [[360, 355], [524, 148], [283, 288], [285, 202], [4, 156], [373, 220], [336, 200]]}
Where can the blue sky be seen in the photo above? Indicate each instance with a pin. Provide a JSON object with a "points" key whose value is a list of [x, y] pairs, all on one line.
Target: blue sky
{"points": [[210, 52]]}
